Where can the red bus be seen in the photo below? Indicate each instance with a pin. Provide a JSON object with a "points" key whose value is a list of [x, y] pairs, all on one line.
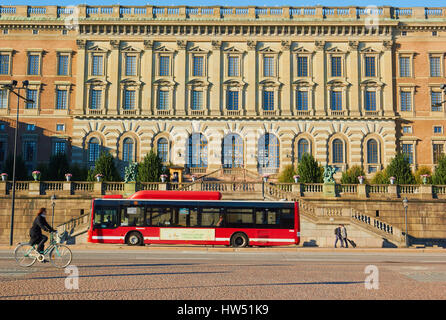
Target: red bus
{"points": [[193, 217]]}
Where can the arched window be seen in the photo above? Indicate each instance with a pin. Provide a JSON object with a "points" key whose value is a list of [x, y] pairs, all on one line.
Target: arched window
{"points": [[128, 150], [372, 151], [197, 151], [338, 151], [163, 149], [302, 147], [268, 154], [93, 150], [232, 151]]}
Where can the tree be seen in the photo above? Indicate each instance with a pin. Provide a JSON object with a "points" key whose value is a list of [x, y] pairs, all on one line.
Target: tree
{"points": [[423, 170], [151, 168], [380, 177], [21, 173], [351, 175], [399, 167], [105, 165], [57, 167], [439, 177], [309, 170], [287, 174]]}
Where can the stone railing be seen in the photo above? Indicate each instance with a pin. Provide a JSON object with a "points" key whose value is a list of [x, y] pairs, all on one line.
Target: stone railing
{"points": [[289, 191], [217, 12]]}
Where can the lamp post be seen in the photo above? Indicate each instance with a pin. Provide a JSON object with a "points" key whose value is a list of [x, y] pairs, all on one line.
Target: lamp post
{"points": [[53, 204], [405, 205], [11, 88]]}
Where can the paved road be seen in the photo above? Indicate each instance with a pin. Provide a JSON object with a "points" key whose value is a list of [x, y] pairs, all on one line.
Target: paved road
{"points": [[191, 274]]}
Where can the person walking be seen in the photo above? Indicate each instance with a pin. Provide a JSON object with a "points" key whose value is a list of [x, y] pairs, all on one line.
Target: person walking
{"points": [[36, 230], [344, 235], [338, 236]]}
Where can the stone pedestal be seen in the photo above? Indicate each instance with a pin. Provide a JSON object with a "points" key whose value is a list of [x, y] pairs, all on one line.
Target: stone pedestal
{"points": [[97, 188], [67, 187], [392, 190], [295, 188], [329, 189], [362, 190], [129, 188], [3, 185], [34, 188], [162, 186], [426, 191]]}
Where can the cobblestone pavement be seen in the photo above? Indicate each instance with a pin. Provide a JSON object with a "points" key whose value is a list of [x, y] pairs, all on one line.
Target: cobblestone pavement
{"points": [[234, 276]]}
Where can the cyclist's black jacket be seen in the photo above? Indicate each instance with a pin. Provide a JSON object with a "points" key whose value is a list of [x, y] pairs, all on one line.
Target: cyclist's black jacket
{"points": [[39, 224]]}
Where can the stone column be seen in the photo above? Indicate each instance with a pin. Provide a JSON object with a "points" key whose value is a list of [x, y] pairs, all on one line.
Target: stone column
{"points": [[215, 77], [114, 74], [81, 74], [319, 78], [251, 105], [285, 77], [181, 69], [354, 76], [147, 78]]}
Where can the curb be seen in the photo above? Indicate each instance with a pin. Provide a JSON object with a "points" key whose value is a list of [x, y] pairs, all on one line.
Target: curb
{"points": [[114, 247]]}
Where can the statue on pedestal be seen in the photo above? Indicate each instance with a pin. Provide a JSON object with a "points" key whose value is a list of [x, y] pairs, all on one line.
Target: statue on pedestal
{"points": [[329, 171], [131, 172]]}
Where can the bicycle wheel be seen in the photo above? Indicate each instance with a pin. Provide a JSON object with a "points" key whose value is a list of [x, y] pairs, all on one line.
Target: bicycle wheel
{"points": [[60, 256], [25, 255]]}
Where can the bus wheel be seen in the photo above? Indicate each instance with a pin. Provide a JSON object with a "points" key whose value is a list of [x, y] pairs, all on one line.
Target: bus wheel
{"points": [[135, 239], [239, 240]]}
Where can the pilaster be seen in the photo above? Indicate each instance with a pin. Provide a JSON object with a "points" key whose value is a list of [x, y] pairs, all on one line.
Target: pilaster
{"points": [[319, 78], [181, 69], [252, 78], [114, 74], [215, 77]]}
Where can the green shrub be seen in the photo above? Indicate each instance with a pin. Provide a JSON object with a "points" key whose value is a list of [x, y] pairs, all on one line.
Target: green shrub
{"points": [[380, 177], [423, 170], [104, 165], [309, 170], [439, 176], [151, 168], [399, 167], [287, 174], [351, 175]]}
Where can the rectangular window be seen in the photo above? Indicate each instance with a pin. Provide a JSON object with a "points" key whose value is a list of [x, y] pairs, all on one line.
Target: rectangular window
{"points": [[239, 217], [302, 66], [436, 99], [30, 127], [163, 100], [407, 129], [232, 100], [29, 150], [164, 66], [4, 64], [233, 66], [370, 68], [302, 100], [198, 66], [3, 98], [33, 64], [130, 65], [97, 66], [437, 152], [31, 94], [268, 100], [438, 129], [435, 67], [197, 100], [61, 99], [406, 100], [63, 63], [60, 127], [268, 66], [336, 100], [370, 101], [95, 99], [129, 99], [336, 66], [407, 150], [404, 67], [59, 147]]}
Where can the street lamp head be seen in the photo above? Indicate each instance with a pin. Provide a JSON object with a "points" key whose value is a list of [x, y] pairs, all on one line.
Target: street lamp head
{"points": [[405, 203], [25, 83], [14, 83], [443, 87]]}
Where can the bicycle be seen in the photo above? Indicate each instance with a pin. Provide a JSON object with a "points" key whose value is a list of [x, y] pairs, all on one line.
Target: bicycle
{"points": [[59, 255]]}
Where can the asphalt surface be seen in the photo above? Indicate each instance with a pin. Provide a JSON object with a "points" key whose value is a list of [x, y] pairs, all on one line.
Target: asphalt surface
{"points": [[100, 272]]}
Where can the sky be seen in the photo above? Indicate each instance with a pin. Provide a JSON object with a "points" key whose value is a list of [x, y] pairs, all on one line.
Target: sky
{"points": [[259, 3]]}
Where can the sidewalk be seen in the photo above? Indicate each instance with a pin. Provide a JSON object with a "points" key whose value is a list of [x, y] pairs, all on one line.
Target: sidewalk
{"points": [[119, 247]]}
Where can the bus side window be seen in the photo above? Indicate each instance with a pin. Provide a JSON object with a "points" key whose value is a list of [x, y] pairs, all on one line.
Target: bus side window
{"points": [[287, 219], [105, 218], [267, 217], [132, 216]]}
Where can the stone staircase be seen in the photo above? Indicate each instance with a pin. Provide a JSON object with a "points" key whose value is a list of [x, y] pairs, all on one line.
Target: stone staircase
{"points": [[74, 231]]}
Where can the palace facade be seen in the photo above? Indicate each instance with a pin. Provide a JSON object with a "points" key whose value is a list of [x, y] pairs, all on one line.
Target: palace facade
{"points": [[212, 87]]}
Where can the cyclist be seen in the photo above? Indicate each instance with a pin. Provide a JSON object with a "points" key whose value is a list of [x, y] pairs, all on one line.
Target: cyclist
{"points": [[36, 230]]}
